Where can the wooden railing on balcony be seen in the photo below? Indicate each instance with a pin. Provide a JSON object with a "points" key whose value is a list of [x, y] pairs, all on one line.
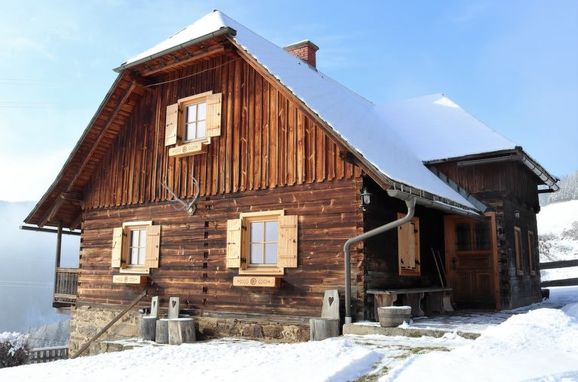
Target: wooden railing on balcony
{"points": [[65, 286], [41, 355]]}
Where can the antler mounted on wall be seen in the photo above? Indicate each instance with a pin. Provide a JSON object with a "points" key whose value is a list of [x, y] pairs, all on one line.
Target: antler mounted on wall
{"points": [[191, 207]]}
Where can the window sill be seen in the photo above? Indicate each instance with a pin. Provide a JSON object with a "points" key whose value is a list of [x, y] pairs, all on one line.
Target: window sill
{"points": [[263, 271], [135, 271]]}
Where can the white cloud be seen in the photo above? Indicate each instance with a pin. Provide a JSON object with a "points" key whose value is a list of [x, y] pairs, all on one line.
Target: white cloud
{"points": [[26, 177]]}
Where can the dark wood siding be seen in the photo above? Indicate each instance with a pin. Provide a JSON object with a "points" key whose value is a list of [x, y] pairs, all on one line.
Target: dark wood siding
{"points": [[266, 142], [192, 254]]}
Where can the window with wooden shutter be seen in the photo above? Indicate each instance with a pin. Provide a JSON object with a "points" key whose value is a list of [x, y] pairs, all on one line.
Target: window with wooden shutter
{"points": [[262, 243], [192, 122], [409, 248], [136, 247]]}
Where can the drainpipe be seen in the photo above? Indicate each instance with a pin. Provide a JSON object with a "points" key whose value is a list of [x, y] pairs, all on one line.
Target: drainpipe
{"points": [[410, 203]]}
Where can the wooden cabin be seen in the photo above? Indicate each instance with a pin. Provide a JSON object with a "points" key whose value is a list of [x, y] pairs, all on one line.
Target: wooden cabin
{"points": [[229, 172]]}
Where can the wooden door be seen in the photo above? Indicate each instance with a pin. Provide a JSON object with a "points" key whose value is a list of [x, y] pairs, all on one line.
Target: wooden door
{"points": [[471, 261]]}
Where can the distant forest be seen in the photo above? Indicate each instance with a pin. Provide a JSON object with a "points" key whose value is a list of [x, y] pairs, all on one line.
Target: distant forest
{"points": [[568, 191]]}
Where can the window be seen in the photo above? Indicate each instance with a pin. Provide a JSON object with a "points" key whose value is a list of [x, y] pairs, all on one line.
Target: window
{"points": [[262, 243], [195, 121], [408, 248], [531, 249], [135, 247], [518, 248], [192, 122]]}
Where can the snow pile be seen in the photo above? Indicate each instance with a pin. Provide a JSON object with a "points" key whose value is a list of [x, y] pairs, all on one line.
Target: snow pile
{"points": [[540, 344], [558, 235], [220, 360]]}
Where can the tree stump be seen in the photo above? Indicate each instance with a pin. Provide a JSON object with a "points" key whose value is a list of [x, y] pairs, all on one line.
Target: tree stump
{"points": [[162, 332], [181, 331], [322, 328], [391, 316], [148, 327]]}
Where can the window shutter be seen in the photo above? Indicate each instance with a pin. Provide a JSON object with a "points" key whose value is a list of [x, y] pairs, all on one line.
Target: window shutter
{"points": [[233, 243], [172, 124], [214, 115], [287, 241], [153, 246], [117, 234], [408, 245]]}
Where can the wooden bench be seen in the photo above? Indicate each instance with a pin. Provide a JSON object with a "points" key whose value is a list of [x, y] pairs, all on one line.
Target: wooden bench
{"points": [[436, 299]]}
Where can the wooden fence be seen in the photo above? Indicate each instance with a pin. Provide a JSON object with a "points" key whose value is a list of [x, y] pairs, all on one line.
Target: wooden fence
{"points": [[48, 354], [557, 265]]}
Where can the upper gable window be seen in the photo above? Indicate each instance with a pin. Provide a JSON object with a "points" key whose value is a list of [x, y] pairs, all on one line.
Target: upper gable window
{"points": [[192, 122]]}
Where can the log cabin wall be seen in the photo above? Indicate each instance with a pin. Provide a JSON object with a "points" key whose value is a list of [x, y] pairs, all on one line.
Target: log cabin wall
{"points": [[270, 155], [381, 252], [266, 141], [192, 251], [507, 188]]}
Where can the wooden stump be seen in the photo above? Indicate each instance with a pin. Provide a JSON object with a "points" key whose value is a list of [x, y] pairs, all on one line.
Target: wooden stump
{"points": [[148, 327], [391, 316], [181, 331], [322, 328], [162, 332]]}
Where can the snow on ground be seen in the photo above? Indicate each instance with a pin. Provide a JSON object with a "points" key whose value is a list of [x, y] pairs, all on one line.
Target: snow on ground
{"points": [[541, 345], [539, 342]]}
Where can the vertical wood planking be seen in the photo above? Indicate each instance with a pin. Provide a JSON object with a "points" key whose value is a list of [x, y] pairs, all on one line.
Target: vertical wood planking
{"points": [[266, 142]]}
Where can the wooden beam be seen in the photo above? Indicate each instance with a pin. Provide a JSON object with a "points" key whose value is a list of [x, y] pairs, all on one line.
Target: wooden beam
{"points": [[56, 207], [558, 283], [49, 230], [72, 196], [204, 53], [559, 264]]}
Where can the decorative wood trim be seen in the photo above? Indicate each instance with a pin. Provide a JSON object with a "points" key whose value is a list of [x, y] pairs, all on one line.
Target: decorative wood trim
{"points": [[205, 53], [257, 281], [129, 279]]}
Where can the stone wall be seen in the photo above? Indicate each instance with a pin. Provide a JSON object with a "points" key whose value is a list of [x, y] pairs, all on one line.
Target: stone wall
{"points": [[86, 321]]}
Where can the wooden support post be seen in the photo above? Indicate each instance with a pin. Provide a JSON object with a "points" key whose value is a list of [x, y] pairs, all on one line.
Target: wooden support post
{"points": [[181, 331], [174, 306], [148, 328], [322, 328], [58, 256], [162, 331]]}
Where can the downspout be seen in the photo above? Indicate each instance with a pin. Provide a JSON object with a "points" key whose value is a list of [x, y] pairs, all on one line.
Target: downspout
{"points": [[410, 203]]}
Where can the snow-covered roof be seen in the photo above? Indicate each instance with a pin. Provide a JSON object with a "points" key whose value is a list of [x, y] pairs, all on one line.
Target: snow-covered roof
{"points": [[358, 121], [437, 128]]}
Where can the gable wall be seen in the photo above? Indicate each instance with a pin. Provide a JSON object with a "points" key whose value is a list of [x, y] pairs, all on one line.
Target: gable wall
{"points": [[266, 142]]}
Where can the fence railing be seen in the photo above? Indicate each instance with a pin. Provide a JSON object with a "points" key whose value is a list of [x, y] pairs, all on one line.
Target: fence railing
{"points": [[65, 286], [557, 265], [48, 354]]}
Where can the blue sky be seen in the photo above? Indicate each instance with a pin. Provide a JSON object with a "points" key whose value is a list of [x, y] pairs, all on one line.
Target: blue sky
{"points": [[512, 64]]}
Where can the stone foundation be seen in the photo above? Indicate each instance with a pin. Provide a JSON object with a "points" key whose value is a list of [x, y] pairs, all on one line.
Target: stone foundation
{"points": [[86, 321]]}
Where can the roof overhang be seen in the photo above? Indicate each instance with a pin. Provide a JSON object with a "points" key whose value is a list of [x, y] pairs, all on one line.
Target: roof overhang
{"points": [[517, 154]]}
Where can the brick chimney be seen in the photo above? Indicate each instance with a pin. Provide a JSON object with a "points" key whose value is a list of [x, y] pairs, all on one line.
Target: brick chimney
{"points": [[305, 50]]}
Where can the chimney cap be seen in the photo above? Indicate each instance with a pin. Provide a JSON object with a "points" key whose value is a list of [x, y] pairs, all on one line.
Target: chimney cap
{"points": [[301, 43]]}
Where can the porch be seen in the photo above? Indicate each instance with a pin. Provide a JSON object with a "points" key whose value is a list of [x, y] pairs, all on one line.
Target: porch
{"points": [[65, 287]]}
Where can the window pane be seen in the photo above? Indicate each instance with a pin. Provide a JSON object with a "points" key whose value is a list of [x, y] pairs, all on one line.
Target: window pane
{"points": [[202, 108], [271, 231], [134, 238], [192, 113], [133, 256], [271, 253], [191, 131], [463, 240], [201, 129], [143, 239], [256, 253], [482, 236], [256, 232]]}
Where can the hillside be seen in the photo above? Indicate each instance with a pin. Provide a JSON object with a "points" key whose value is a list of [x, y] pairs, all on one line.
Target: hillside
{"points": [[558, 236], [27, 271]]}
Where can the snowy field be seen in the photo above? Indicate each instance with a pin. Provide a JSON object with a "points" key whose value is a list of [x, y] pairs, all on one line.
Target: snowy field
{"points": [[539, 345]]}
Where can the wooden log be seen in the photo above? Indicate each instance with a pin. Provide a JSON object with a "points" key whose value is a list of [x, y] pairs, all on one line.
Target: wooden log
{"points": [[162, 331], [391, 316], [181, 331], [322, 328], [148, 327]]}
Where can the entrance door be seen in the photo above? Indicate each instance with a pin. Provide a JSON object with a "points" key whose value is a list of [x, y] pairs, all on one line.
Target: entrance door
{"points": [[471, 261]]}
